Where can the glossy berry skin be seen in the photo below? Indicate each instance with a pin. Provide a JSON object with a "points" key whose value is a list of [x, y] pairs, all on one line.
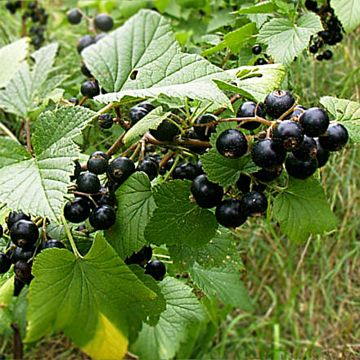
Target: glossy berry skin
{"points": [[103, 217], [266, 154], [74, 16], [85, 71], [186, 171], [278, 102], [248, 109], [311, 5], [288, 134], [5, 263], [254, 203], [51, 244], [320, 57], [166, 131], [230, 214], [146, 105], [204, 132], [103, 22], [298, 111], [16, 253], [335, 137], [206, 193], [300, 169], [98, 162], [307, 149], [90, 88], [150, 168], [141, 257], [88, 183], [22, 270], [327, 54], [18, 286], [24, 234], [136, 113], [260, 61], [256, 49], [120, 169], [156, 269], [14, 217], [232, 144], [313, 49], [74, 101], [105, 198], [105, 121], [322, 155], [84, 42], [77, 210], [243, 183], [314, 121], [267, 175]]}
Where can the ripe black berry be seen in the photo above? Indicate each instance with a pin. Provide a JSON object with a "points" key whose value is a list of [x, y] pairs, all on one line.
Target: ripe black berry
{"points": [[141, 257], [250, 109], [90, 88], [320, 57], [84, 42], [88, 183], [146, 105], [24, 234], [288, 134], [74, 101], [256, 49], [18, 286], [314, 121], [232, 144], [5, 263], [150, 168], [307, 150], [105, 197], [166, 131], [243, 183], [260, 61], [204, 132], [156, 269], [85, 71], [103, 22], [136, 113], [265, 153], [230, 214], [105, 121], [74, 16], [77, 210], [300, 169], [103, 217], [278, 102], [322, 155], [185, 171], [267, 175], [206, 193], [98, 162], [335, 137], [14, 216], [120, 169], [313, 49], [311, 5], [298, 110], [16, 253], [254, 203], [22, 270], [327, 54], [50, 244]]}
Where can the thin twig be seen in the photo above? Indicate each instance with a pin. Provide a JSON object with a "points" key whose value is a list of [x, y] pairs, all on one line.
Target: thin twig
{"points": [[18, 348], [28, 135], [232, 100], [115, 146], [8, 132]]}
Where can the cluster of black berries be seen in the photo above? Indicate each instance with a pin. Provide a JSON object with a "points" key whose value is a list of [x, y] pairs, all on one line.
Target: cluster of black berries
{"points": [[23, 246], [256, 50], [332, 33]]}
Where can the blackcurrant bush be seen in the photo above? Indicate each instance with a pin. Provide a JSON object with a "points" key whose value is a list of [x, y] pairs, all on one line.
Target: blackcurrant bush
{"points": [[267, 175], [74, 16], [103, 22], [150, 168], [102, 217], [288, 134], [52, 243], [105, 121], [243, 183], [185, 171], [84, 42], [265, 153], [22, 270], [90, 88], [254, 203], [5, 263], [307, 150], [136, 113], [314, 121], [18, 286], [98, 162], [88, 183], [204, 132], [14, 216], [278, 102], [85, 71], [166, 131], [322, 155], [260, 61], [250, 109], [311, 5], [335, 137], [77, 210], [232, 144], [256, 49], [206, 193], [230, 214], [141, 257], [300, 169], [156, 269], [24, 234], [120, 169]]}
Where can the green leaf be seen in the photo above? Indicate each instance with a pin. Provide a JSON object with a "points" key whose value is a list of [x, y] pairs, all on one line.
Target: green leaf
{"points": [[344, 111], [176, 219], [136, 207], [222, 283], [88, 299], [302, 210], [151, 121], [266, 7], [286, 40], [348, 12], [37, 184], [11, 58], [142, 59], [182, 310]]}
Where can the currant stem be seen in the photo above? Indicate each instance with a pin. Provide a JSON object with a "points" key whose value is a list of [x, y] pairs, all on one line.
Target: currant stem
{"points": [[115, 146], [70, 237], [232, 100], [28, 135], [8, 132]]}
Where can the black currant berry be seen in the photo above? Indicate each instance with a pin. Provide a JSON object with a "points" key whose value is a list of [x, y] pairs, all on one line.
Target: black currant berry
{"points": [[320, 57], [250, 109], [267, 175], [206, 193], [278, 102], [288, 134], [307, 150], [105, 198], [230, 214], [243, 183], [103, 217], [166, 131], [313, 49], [18, 286], [98, 162], [98, 37], [24, 234], [120, 169], [156, 269], [141, 257], [90, 88], [232, 144], [16, 253], [314, 121], [105, 121], [74, 16], [266, 154], [74, 101], [335, 137], [136, 113], [77, 210], [22, 270], [254, 203], [84, 42], [186, 171], [50, 244], [88, 183], [298, 111], [147, 106], [311, 5], [322, 155], [150, 168], [103, 22], [85, 71], [300, 169], [327, 54], [14, 216], [5, 263], [260, 62], [204, 132], [256, 49]]}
